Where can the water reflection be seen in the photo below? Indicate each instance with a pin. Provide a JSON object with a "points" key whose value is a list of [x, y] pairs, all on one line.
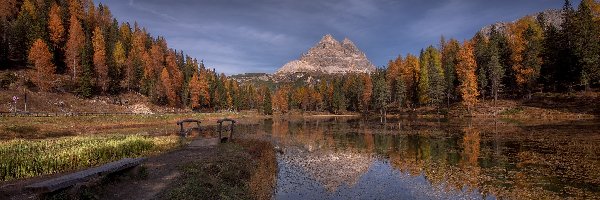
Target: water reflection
{"points": [[352, 158]]}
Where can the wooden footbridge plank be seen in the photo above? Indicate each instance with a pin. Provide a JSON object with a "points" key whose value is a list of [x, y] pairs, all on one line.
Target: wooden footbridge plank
{"points": [[82, 176]]}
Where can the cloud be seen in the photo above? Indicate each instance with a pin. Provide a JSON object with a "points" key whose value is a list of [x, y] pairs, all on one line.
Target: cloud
{"points": [[237, 36]]}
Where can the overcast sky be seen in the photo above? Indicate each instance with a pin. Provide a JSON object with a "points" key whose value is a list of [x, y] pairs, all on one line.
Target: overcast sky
{"points": [[239, 36]]}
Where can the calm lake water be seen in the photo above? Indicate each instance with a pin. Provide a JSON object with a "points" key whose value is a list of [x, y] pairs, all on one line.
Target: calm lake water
{"points": [[349, 158]]}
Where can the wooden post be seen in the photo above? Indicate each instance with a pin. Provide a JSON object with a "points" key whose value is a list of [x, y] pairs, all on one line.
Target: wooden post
{"points": [[220, 126]]}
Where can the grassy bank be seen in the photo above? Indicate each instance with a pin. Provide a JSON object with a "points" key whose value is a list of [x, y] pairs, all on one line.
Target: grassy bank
{"points": [[245, 169], [156, 124], [28, 158]]}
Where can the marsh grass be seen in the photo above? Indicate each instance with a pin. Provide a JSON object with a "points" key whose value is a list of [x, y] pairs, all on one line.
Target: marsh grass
{"points": [[28, 158]]}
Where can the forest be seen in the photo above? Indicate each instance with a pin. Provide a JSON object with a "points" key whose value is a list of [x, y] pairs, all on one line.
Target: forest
{"points": [[77, 47]]}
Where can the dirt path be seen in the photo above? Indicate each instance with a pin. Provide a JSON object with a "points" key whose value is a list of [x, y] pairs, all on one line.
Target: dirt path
{"points": [[162, 171]]}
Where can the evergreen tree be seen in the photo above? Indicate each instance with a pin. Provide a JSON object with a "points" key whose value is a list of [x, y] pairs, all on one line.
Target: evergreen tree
{"points": [[338, 98], [436, 76], [267, 104], [587, 45], [381, 93], [367, 92], [569, 70], [423, 85], [400, 95], [482, 57], [550, 55], [449, 60], [86, 83], [411, 74], [532, 59], [496, 71]]}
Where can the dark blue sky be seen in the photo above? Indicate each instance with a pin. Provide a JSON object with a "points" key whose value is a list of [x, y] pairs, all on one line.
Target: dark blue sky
{"points": [[238, 36]]}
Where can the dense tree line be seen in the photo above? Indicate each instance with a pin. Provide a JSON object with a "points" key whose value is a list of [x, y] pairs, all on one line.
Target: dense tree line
{"points": [[76, 46], [529, 56]]}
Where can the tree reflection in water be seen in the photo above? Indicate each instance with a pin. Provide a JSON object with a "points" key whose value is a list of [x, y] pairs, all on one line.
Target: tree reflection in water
{"points": [[335, 158]]}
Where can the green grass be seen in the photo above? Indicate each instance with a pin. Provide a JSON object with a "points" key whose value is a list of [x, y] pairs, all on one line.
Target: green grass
{"points": [[512, 111], [28, 158]]}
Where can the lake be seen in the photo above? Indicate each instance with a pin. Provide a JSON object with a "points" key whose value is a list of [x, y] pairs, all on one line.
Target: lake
{"points": [[353, 158]]}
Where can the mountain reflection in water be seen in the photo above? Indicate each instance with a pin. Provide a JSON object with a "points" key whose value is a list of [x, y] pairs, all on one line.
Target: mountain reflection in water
{"points": [[342, 158]]}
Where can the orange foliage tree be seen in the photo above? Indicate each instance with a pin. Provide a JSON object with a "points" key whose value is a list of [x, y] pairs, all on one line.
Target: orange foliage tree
{"points": [[525, 64], [199, 90], [194, 86], [174, 71], [74, 45], [167, 87], [100, 58], [280, 100], [55, 25], [40, 57], [465, 70], [7, 8], [75, 9]]}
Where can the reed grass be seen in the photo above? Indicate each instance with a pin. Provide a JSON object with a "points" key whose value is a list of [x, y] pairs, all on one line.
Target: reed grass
{"points": [[28, 158]]}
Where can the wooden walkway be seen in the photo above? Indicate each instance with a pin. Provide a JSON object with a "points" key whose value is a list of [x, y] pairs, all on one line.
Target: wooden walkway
{"points": [[83, 176]]}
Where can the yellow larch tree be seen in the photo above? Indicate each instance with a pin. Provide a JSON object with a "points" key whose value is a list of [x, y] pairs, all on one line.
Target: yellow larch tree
{"points": [[41, 59], [465, 69], [74, 45], [55, 25], [100, 58]]}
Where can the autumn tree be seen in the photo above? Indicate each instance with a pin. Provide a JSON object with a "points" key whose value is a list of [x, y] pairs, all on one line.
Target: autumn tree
{"points": [[280, 100], [195, 92], [41, 59], [100, 59], [525, 45], [465, 70], [24, 30], [175, 74], [74, 47], [55, 26], [167, 87]]}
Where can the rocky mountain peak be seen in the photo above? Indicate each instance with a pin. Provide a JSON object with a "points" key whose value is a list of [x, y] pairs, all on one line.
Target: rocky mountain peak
{"points": [[349, 45], [328, 40], [331, 57], [551, 17]]}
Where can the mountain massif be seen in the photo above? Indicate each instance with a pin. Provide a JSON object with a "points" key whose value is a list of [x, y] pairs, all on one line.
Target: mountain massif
{"points": [[329, 56]]}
